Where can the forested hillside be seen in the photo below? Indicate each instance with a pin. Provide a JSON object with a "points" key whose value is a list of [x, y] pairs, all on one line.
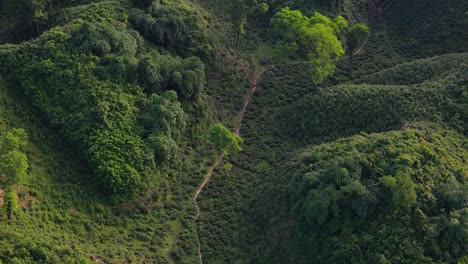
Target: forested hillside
{"points": [[246, 131]]}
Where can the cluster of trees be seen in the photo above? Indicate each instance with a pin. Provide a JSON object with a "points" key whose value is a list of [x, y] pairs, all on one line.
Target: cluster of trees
{"points": [[13, 166], [102, 38], [159, 72], [165, 120], [117, 105], [317, 38], [29, 13], [397, 197], [31, 16], [173, 25]]}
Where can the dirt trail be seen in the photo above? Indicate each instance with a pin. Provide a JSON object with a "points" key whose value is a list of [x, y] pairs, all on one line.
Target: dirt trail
{"points": [[207, 177]]}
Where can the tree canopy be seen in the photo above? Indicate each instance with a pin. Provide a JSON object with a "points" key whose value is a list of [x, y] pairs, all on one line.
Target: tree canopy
{"points": [[173, 25], [224, 139], [315, 37], [358, 198], [356, 37], [13, 165], [120, 108]]}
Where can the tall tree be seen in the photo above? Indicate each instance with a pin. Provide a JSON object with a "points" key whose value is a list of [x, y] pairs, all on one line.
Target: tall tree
{"points": [[13, 165], [241, 10], [39, 14], [239, 19], [355, 39]]}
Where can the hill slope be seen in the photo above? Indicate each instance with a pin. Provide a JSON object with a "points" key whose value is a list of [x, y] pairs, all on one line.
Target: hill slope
{"points": [[117, 98]]}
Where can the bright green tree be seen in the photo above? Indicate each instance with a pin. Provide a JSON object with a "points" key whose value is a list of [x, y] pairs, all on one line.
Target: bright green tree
{"points": [[13, 165], [13, 162], [289, 24], [11, 201], [13, 140], [224, 139], [355, 39], [316, 37]]}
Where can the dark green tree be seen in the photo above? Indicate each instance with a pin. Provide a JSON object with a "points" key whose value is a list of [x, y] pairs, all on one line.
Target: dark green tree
{"points": [[356, 37], [241, 10], [239, 18]]}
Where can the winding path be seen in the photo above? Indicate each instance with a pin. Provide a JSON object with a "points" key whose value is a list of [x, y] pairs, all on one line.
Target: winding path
{"points": [[220, 158]]}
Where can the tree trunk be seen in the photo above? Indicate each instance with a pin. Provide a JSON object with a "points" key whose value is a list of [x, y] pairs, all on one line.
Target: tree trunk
{"points": [[37, 28], [351, 64]]}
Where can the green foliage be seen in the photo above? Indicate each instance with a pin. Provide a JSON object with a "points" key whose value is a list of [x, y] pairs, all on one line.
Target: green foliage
{"points": [[164, 147], [103, 38], [364, 193], [13, 162], [165, 120], [30, 17], [164, 115], [443, 22], [451, 68], [288, 24], [161, 73], [224, 139], [347, 110], [83, 79], [241, 10], [175, 26], [109, 111], [356, 37], [10, 200], [119, 160], [114, 102], [13, 140], [239, 21], [315, 37], [14, 165]]}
